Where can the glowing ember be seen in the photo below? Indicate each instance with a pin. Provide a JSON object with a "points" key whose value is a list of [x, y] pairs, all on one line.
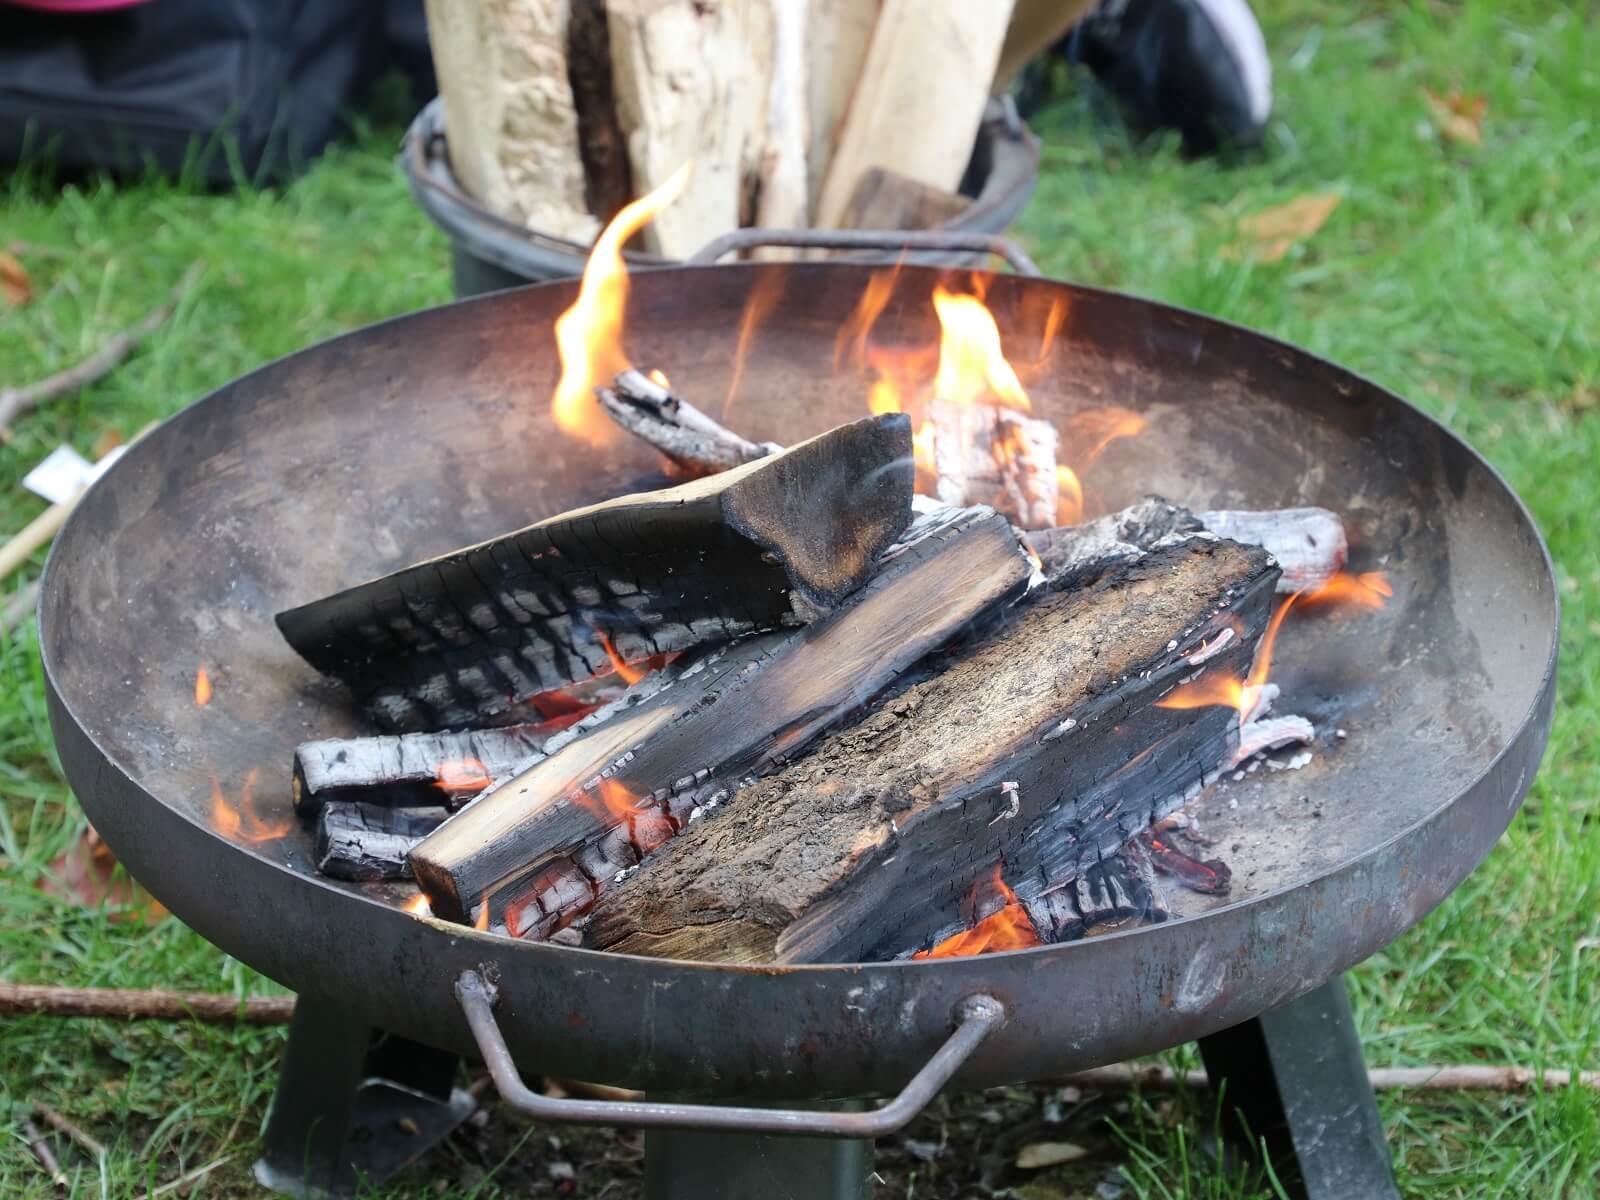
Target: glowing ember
{"points": [[1370, 589], [462, 775], [418, 906], [480, 919], [629, 673], [659, 378], [202, 686], [1007, 928], [241, 822], [972, 366], [768, 289], [589, 334], [609, 800]]}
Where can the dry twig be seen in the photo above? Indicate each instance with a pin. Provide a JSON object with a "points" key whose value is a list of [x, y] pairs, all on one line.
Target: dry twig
{"points": [[84, 1141], [42, 1152], [1466, 1078], [128, 1005], [16, 401], [190, 1178]]}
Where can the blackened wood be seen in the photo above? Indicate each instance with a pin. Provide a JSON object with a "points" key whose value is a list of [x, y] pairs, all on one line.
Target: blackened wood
{"points": [[1040, 746], [1067, 552], [742, 713], [369, 842], [411, 769], [987, 454], [464, 639], [693, 442], [1116, 889], [607, 177]]}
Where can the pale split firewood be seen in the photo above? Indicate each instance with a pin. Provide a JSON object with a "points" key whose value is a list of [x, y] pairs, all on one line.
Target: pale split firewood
{"points": [[865, 848], [546, 843], [784, 200], [1036, 25], [839, 36], [988, 454], [366, 843], [411, 769], [464, 639], [1309, 543], [509, 113], [920, 97], [690, 79], [886, 199], [693, 442]]}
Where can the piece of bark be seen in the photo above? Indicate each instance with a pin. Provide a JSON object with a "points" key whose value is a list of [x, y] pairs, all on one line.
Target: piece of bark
{"points": [[920, 97], [1309, 543], [413, 769], [783, 197], [509, 113], [366, 843], [690, 80], [692, 442], [885, 199], [987, 454], [565, 829], [1040, 746], [608, 183], [465, 639], [836, 48]]}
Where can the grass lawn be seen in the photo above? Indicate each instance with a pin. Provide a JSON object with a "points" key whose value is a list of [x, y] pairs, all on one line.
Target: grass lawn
{"points": [[1467, 278]]}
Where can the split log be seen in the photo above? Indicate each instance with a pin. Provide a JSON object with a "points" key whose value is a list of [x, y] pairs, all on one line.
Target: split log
{"points": [[920, 97], [414, 769], [608, 183], [366, 843], [464, 639], [840, 35], [691, 81], [886, 199], [784, 198], [692, 442], [509, 111], [1040, 746], [987, 454], [1308, 543], [546, 843]]}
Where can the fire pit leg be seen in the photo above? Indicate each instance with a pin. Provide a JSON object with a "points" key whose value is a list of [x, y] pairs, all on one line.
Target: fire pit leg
{"points": [[353, 1104], [1295, 1077], [693, 1165]]}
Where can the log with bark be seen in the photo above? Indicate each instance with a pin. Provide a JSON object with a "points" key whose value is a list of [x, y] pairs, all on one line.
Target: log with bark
{"points": [[366, 843], [1040, 746], [466, 638], [545, 843]]}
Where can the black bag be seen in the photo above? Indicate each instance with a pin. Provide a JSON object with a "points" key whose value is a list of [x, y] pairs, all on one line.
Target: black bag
{"points": [[222, 91]]}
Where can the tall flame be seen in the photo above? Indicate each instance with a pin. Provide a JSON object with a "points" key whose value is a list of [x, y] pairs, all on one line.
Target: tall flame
{"points": [[1007, 928], [1370, 589], [763, 298], [202, 686], [241, 822], [589, 334], [972, 365]]}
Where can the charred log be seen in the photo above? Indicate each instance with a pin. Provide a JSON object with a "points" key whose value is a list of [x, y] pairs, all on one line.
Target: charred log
{"points": [[463, 639], [550, 840], [689, 439], [412, 769], [366, 843], [1309, 543], [1115, 890], [1040, 746]]}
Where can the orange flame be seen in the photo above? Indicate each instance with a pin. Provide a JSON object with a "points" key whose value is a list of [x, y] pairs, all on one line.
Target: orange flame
{"points": [[851, 342], [480, 919], [589, 334], [659, 378], [202, 686], [971, 362], [241, 822], [629, 673], [1102, 426], [768, 290], [1007, 928], [1226, 691], [1370, 589], [462, 775], [1069, 497], [418, 906]]}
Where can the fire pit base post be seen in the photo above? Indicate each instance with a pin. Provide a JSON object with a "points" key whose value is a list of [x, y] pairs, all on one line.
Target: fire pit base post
{"points": [[694, 1165], [1295, 1077], [353, 1104]]}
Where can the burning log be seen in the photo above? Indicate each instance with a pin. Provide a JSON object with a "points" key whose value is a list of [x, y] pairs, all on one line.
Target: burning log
{"points": [[1308, 543], [986, 454], [460, 640], [1116, 889], [1041, 745], [692, 441], [546, 843], [367, 843], [412, 769]]}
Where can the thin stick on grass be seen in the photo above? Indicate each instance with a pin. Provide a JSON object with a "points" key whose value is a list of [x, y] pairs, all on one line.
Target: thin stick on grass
{"points": [[46, 1156], [1467, 1078], [14, 402], [131, 1005], [84, 1141], [191, 1178]]}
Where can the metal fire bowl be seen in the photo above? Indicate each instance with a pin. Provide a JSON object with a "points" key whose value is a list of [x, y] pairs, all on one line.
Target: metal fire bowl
{"points": [[430, 431]]}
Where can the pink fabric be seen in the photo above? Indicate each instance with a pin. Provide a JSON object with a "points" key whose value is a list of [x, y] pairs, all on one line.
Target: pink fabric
{"points": [[74, 5]]}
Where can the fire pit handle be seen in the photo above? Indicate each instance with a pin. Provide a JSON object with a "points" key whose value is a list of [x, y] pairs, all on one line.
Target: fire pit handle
{"points": [[979, 1016], [868, 239]]}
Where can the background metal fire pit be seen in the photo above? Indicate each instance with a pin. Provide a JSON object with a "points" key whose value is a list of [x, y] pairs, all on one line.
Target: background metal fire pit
{"points": [[415, 436]]}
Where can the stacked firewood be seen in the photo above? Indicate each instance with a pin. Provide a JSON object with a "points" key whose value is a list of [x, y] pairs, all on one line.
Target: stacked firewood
{"points": [[794, 113]]}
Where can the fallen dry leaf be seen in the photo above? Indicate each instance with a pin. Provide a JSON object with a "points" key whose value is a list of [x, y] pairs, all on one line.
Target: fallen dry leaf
{"points": [[1459, 117], [87, 876], [1049, 1154], [15, 284], [1268, 235], [106, 443]]}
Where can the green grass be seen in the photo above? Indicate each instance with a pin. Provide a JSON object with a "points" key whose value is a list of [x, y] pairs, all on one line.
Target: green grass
{"points": [[1464, 278]]}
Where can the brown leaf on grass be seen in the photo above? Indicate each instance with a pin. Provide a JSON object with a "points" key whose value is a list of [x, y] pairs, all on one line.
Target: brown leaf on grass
{"points": [[1269, 234], [15, 283], [86, 875], [1459, 117]]}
